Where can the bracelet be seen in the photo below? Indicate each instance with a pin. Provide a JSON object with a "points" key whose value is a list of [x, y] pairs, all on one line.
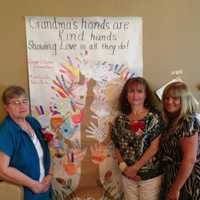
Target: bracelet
{"points": [[122, 166]]}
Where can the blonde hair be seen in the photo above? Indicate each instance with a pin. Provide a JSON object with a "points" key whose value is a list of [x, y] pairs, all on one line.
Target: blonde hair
{"points": [[188, 104]]}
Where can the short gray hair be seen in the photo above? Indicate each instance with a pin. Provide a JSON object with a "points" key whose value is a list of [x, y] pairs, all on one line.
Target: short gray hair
{"points": [[11, 92]]}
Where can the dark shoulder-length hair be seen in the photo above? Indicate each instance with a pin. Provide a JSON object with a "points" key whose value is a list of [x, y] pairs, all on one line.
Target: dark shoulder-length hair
{"points": [[124, 105]]}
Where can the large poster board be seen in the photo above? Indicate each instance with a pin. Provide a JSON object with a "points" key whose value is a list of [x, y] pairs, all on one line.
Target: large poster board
{"points": [[76, 68]]}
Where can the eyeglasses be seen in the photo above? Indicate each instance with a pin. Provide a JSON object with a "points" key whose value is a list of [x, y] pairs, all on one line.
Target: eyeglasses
{"points": [[18, 102]]}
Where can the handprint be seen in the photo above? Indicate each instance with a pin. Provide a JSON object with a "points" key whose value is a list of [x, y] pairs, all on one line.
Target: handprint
{"points": [[42, 116], [71, 161], [95, 132], [98, 153]]}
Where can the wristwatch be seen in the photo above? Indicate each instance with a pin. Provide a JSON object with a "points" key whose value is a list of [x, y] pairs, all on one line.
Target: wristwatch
{"points": [[122, 166]]}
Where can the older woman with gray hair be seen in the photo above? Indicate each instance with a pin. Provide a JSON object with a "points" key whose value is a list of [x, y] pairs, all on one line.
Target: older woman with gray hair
{"points": [[24, 154]]}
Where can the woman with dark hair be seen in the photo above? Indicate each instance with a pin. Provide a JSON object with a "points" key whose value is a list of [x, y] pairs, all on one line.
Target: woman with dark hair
{"points": [[136, 135], [180, 146], [24, 154]]}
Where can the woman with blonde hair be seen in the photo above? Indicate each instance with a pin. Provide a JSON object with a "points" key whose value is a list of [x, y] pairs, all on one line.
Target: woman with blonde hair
{"points": [[180, 144]]}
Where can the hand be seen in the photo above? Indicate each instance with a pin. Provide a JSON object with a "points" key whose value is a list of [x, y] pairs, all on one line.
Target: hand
{"points": [[118, 156], [47, 180], [38, 187], [43, 186], [173, 194], [131, 172]]}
